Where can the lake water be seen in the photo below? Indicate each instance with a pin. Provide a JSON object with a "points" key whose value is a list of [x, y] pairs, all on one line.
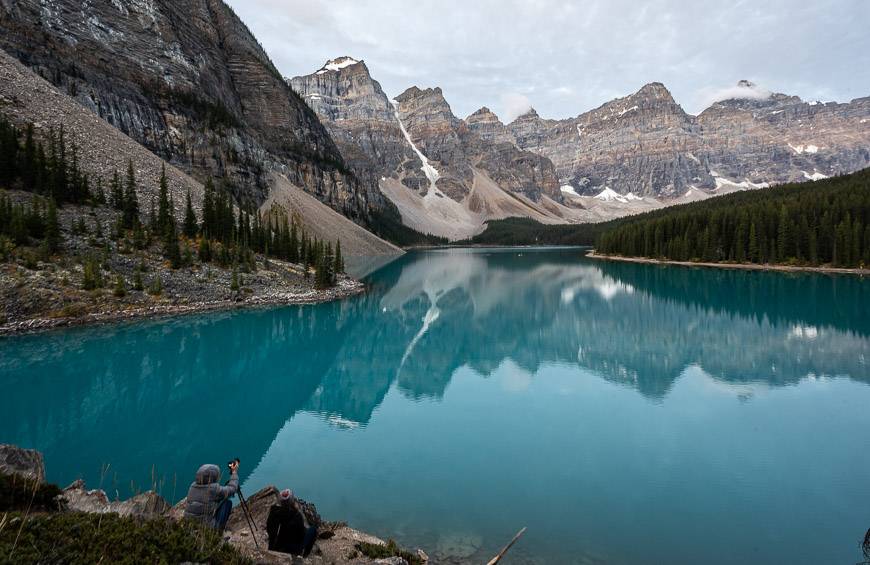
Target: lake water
{"points": [[623, 413]]}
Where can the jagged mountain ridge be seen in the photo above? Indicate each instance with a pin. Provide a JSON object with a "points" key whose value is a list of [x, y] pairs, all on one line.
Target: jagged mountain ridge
{"points": [[192, 84], [646, 144], [443, 177]]}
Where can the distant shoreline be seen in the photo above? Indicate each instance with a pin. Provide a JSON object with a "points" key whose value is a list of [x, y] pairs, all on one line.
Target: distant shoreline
{"points": [[740, 266], [161, 311]]}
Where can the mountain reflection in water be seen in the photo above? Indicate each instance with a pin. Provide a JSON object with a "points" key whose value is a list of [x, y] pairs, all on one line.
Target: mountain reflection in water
{"points": [[170, 395]]}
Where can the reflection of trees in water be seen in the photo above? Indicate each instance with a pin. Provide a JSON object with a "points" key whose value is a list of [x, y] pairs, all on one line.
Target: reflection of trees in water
{"points": [[196, 389], [171, 393], [636, 324], [841, 302]]}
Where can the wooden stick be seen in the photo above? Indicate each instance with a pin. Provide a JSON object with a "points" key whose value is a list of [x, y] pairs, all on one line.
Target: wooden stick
{"points": [[501, 553]]}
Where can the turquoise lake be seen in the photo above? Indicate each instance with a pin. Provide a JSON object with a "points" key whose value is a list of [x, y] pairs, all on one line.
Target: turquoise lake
{"points": [[623, 413]]}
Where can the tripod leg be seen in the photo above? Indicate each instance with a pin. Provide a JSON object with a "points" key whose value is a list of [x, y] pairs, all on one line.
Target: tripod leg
{"points": [[248, 518]]}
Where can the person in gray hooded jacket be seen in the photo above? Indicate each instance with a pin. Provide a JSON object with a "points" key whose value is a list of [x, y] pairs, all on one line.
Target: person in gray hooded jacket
{"points": [[208, 501]]}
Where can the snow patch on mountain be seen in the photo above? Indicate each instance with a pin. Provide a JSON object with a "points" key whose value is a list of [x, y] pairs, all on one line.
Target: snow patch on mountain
{"points": [[610, 195], [337, 64], [814, 176], [431, 172], [804, 148], [568, 189], [723, 183]]}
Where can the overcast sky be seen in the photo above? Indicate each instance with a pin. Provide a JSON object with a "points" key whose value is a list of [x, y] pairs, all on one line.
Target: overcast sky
{"points": [[565, 58]]}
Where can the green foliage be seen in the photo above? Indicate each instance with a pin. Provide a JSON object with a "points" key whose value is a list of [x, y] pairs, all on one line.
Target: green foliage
{"points": [[819, 223], [130, 207], [22, 223], [49, 168], [191, 226], [391, 549], [338, 266], [93, 274], [163, 214], [120, 289], [20, 493], [171, 247], [156, 286], [137, 280], [388, 225], [234, 283], [525, 231], [108, 538]]}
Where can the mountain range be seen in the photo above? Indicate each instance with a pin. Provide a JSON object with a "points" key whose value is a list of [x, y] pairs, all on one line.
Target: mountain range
{"points": [[190, 83], [633, 154]]}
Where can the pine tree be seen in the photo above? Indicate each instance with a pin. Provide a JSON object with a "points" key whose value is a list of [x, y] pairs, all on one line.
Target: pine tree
{"points": [[754, 253], [137, 280], [131, 201], [53, 238], [156, 286], [190, 223], [234, 283], [93, 276], [171, 248], [116, 192], [120, 287], [204, 250], [163, 211], [339, 260]]}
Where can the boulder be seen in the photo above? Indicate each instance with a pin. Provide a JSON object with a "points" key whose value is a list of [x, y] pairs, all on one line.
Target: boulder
{"points": [[77, 498], [28, 463], [146, 505]]}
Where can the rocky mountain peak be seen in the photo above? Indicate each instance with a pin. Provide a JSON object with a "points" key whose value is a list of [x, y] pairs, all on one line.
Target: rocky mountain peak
{"points": [[745, 84], [336, 65], [529, 116], [483, 116], [654, 91]]}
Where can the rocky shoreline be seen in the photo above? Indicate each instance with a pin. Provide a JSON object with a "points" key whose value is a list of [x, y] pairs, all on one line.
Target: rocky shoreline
{"points": [[337, 543], [740, 266], [345, 289]]}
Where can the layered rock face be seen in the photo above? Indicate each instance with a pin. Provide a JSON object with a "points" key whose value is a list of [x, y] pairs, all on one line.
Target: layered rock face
{"points": [[458, 149], [432, 165], [782, 138], [188, 81], [647, 145], [361, 120], [643, 144]]}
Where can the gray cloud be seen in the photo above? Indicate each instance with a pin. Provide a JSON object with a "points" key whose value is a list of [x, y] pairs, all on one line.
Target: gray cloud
{"points": [[568, 57]]}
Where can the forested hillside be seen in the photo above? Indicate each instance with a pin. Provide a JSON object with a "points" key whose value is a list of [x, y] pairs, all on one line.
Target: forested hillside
{"points": [[814, 223]]}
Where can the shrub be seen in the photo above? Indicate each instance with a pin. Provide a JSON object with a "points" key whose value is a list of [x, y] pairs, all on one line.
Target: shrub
{"points": [[19, 493], [391, 549], [93, 538]]}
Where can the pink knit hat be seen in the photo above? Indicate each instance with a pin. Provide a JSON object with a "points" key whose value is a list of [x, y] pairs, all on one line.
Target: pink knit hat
{"points": [[286, 494]]}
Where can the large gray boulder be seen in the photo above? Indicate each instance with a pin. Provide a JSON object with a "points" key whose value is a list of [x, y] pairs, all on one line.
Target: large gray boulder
{"points": [[146, 505], [28, 463]]}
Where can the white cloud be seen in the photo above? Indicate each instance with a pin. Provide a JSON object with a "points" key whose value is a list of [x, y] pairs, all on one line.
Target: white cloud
{"points": [[513, 105], [742, 91]]}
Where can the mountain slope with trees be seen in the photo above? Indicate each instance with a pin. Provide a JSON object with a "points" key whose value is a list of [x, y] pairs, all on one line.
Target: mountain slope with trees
{"points": [[821, 223]]}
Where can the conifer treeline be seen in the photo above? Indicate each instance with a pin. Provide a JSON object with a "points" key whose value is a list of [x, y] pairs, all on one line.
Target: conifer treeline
{"points": [[820, 223], [50, 169], [224, 236]]}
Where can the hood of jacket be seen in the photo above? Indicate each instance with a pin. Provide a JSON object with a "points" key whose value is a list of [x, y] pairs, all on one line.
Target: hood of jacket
{"points": [[208, 474]]}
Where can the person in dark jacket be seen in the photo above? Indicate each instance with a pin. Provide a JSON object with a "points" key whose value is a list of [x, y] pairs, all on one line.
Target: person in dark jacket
{"points": [[208, 501], [289, 531]]}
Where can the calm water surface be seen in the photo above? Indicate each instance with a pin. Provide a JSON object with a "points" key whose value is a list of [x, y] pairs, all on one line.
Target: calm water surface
{"points": [[624, 413]]}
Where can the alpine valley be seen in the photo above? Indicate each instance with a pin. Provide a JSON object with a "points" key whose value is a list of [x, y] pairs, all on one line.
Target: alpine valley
{"points": [[191, 84]]}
